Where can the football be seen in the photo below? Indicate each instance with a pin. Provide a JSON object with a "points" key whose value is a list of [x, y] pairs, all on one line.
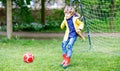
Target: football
{"points": [[28, 57]]}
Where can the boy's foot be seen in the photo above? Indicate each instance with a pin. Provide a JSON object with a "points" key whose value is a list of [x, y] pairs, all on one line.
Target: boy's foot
{"points": [[64, 57], [66, 66], [67, 63], [62, 63]]}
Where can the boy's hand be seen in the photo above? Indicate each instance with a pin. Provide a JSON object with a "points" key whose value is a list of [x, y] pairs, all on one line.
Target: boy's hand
{"points": [[79, 30], [80, 34]]}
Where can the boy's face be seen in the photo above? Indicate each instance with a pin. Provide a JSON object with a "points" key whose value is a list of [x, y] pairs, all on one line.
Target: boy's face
{"points": [[68, 15]]}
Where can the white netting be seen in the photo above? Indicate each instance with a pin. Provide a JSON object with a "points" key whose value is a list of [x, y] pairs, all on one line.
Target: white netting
{"points": [[103, 19]]}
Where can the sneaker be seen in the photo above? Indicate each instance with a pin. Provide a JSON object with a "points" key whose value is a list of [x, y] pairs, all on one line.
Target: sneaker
{"points": [[67, 62], [62, 63], [64, 57]]}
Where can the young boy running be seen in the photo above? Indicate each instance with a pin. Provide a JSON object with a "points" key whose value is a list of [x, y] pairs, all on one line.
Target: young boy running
{"points": [[73, 29]]}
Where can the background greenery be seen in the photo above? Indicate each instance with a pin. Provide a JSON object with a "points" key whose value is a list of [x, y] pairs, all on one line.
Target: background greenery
{"points": [[97, 13], [31, 21]]}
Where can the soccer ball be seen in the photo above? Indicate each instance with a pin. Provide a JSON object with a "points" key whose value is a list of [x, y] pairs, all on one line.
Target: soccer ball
{"points": [[28, 57]]}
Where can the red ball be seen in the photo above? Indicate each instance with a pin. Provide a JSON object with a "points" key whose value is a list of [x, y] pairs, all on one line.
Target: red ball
{"points": [[28, 57]]}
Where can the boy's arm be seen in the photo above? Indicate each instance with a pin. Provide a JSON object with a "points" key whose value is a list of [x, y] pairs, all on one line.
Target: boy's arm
{"points": [[80, 24], [80, 27], [62, 25]]}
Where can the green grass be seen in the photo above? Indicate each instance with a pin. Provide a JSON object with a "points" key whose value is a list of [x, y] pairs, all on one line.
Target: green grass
{"points": [[48, 56]]}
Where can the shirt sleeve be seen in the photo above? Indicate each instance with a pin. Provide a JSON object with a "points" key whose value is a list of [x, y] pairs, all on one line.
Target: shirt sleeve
{"points": [[80, 24], [62, 24]]}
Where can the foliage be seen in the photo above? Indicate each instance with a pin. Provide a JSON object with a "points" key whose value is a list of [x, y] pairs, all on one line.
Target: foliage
{"points": [[18, 2], [21, 13], [53, 21], [27, 27], [96, 11], [99, 13]]}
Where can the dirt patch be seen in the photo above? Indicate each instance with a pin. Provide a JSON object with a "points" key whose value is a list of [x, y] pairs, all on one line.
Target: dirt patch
{"points": [[37, 35]]}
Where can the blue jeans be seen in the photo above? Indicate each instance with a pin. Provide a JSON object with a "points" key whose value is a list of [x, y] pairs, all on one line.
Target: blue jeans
{"points": [[67, 46]]}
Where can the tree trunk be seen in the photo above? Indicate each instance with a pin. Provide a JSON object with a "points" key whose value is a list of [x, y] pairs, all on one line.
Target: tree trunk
{"points": [[9, 19], [111, 15], [43, 12]]}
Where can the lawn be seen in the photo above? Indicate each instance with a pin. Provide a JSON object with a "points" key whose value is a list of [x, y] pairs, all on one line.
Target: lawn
{"points": [[48, 55]]}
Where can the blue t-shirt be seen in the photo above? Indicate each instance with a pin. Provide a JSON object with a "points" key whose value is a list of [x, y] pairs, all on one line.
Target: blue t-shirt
{"points": [[72, 32]]}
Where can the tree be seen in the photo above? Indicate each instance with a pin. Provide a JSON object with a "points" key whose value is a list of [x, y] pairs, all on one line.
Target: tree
{"points": [[111, 15], [43, 12], [9, 19]]}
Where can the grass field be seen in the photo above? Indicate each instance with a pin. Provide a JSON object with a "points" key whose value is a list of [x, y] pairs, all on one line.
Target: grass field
{"points": [[48, 55]]}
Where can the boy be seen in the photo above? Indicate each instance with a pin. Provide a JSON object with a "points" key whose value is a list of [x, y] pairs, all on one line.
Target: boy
{"points": [[73, 29]]}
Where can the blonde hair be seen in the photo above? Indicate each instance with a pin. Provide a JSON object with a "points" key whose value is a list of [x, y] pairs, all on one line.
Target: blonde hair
{"points": [[69, 9]]}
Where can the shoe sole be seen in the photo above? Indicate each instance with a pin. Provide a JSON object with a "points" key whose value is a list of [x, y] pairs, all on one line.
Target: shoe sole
{"points": [[65, 66]]}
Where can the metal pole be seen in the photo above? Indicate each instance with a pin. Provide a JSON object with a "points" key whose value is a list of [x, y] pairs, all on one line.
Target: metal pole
{"points": [[71, 2], [87, 28]]}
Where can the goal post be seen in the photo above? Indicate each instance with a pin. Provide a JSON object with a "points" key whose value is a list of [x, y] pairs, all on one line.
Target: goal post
{"points": [[87, 27], [85, 21], [102, 21]]}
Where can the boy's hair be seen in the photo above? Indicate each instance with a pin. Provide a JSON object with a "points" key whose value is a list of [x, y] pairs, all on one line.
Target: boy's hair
{"points": [[69, 9]]}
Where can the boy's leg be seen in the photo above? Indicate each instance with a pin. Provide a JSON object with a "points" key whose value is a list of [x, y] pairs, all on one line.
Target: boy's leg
{"points": [[70, 45], [64, 57], [69, 52], [64, 51], [64, 44]]}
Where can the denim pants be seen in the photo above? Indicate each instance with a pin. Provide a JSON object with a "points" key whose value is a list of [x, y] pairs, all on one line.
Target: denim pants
{"points": [[67, 46]]}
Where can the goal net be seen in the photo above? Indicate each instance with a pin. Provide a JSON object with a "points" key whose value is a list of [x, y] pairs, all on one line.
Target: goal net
{"points": [[103, 20]]}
